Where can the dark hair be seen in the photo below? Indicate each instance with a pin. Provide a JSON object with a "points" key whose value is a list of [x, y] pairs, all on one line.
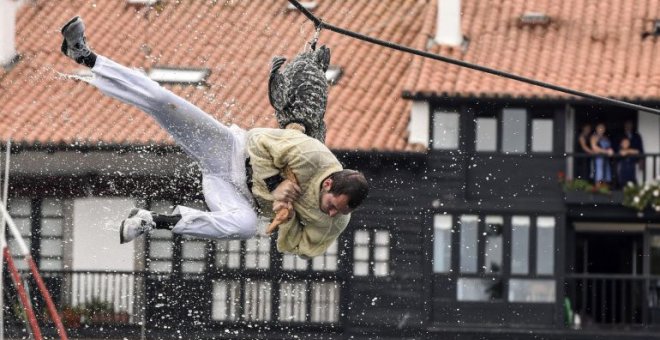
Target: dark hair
{"points": [[351, 183]]}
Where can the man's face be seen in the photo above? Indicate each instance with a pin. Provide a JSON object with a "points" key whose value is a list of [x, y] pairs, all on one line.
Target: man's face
{"points": [[331, 204], [628, 126]]}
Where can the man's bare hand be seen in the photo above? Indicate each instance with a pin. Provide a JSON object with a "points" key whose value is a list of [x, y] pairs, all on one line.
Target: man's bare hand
{"points": [[283, 212], [287, 191], [279, 205]]}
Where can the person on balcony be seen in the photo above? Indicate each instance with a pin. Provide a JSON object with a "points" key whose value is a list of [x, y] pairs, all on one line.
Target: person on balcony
{"points": [[583, 162], [627, 165], [633, 136], [635, 140], [601, 146]]}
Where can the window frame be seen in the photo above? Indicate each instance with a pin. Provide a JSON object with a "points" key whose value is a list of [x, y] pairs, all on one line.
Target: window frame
{"points": [[533, 113], [434, 112], [371, 259], [454, 273]]}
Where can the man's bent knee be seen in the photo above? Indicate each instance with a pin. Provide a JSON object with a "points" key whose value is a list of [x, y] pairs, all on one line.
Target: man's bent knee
{"points": [[247, 225]]}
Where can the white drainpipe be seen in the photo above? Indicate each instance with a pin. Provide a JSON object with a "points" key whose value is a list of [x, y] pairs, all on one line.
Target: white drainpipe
{"points": [[448, 24]]}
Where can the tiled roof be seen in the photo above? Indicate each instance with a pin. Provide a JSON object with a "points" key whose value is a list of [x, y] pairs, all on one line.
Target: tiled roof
{"points": [[589, 45], [235, 39]]}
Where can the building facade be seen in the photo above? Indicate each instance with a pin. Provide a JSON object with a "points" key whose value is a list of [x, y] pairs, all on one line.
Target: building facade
{"points": [[475, 226]]}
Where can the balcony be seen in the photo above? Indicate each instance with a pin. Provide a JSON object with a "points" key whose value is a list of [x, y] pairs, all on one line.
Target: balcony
{"points": [[580, 179], [600, 300]]}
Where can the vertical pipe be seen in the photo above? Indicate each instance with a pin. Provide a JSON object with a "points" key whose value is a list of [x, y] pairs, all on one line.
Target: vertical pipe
{"points": [[3, 241]]}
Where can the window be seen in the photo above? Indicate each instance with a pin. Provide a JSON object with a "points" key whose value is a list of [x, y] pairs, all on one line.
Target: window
{"points": [[293, 301], [474, 289], [257, 252], [325, 302], [361, 253], [445, 130], [523, 290], [228, 253], [310, 5], [173, 75], [257, 305], [442, 243], [469, 228], [542, 135], [493, 244], [52, 234], [371, 253], [480, 289], [160, 242], [514, 130], [193, 255], [520, 245], [545, 245], [294, 262], [226, 299], [486, 134], [381, 253], [486, 242], [20, 210], [328, 261]]}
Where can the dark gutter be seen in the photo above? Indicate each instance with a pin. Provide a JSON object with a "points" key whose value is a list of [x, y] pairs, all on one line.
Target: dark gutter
{"points": [[470, 98]]}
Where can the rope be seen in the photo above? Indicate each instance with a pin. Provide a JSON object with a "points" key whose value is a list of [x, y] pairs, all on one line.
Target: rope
{"points": [[316, 37], [318, 23]]}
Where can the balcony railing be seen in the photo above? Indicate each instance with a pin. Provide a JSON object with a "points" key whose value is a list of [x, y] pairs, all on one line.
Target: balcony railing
{"points": [[646, 166], [95, 297], [614, 299]]}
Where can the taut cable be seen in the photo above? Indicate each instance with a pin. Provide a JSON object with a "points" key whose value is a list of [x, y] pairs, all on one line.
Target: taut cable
{"points": [[318, 23]]}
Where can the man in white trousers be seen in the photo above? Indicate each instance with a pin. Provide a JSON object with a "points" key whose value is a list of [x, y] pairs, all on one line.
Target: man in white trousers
{"points": [[242, 171]]}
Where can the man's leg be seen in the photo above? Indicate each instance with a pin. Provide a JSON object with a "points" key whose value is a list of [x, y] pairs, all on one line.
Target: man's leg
{"points": [[212, 144], [231, 216], [200, 135]]}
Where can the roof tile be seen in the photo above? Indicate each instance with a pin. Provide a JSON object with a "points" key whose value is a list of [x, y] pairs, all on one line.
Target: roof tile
{"points": [[581, 49], [236, 40]]}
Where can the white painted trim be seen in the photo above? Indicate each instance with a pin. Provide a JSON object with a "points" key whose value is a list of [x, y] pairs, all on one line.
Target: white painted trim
{"points": [[418, 128], [8, 10], [648, 126]]}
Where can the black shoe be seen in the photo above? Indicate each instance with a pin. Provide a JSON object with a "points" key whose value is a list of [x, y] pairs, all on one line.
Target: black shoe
{"points": [[74, 45]]}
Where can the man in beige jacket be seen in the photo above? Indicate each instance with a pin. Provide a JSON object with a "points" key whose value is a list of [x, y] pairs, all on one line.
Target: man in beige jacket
{"points": [[243, 173]]}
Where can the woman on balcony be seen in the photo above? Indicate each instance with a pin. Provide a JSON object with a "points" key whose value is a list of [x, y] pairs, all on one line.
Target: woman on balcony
{"points": [[601, 145]]}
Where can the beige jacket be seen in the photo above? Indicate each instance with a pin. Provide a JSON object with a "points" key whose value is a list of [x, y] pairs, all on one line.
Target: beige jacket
{"points": [[310, 232]]}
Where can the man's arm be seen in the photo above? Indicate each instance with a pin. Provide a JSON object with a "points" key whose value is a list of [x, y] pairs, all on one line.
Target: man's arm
{"points": [[310, 240], [284, 195]]}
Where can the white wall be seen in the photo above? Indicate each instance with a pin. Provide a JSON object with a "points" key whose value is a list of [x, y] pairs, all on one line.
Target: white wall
{"points": [[8, 30], [418, 126], [96, 234], [649, 128]]}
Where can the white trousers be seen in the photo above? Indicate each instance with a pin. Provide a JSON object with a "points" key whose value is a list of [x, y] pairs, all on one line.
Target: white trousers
{"points": [[219, 150]]}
